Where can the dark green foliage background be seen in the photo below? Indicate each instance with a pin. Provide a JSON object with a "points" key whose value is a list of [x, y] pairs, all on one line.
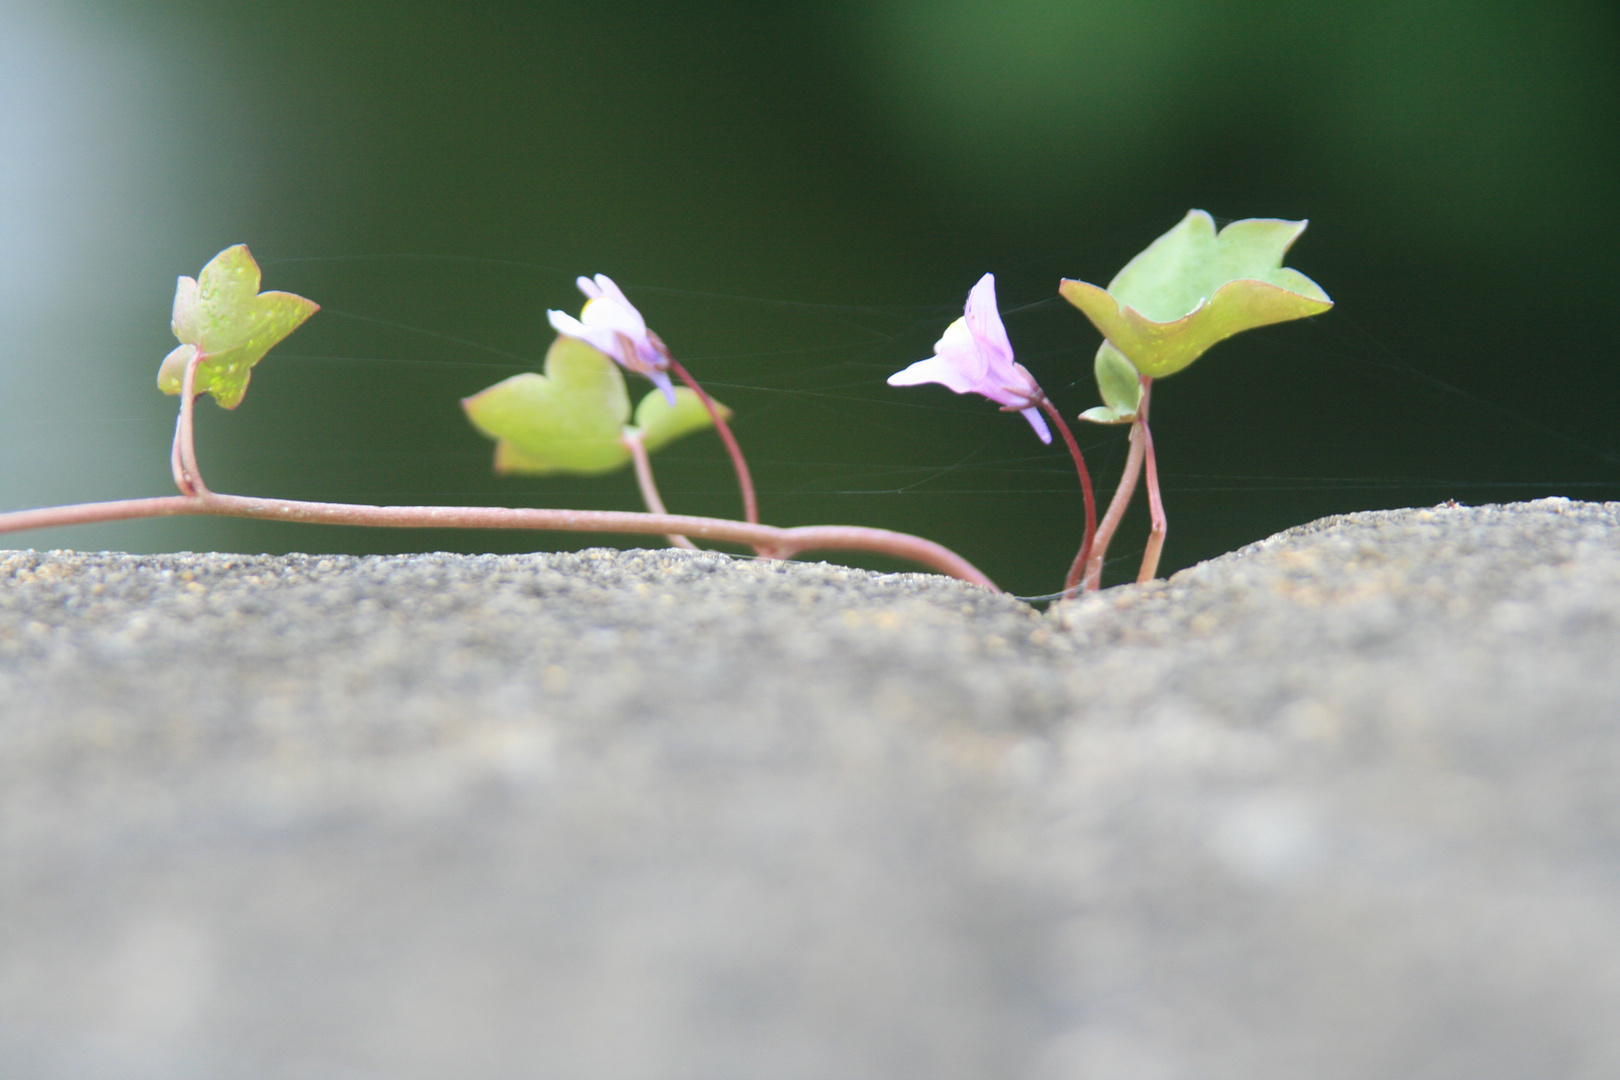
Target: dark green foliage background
{"points": [[449, 167]]}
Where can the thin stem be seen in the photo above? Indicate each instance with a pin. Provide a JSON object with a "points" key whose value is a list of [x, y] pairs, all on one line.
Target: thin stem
{"points": [[781, 543], [51, 517], [1115, 512], [1073, 580], [1122, 494], [188, 411], [744, 480], [183, 456], [649, 487], [177, 466], [1155, 544]]}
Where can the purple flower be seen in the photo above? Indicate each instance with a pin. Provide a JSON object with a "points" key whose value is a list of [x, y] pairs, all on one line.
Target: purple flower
{"points": [[612, 324], [975, 357]]}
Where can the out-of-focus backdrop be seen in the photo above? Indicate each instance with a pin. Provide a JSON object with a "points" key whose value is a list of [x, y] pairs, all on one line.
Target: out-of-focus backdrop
{"points": [[799, 197]]}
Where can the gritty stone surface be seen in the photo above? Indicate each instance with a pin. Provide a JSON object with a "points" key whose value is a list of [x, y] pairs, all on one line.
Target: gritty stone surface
{"points": [[1345, 803]]}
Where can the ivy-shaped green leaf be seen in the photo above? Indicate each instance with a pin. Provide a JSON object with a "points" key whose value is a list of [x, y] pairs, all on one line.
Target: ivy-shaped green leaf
{"points": [[572, 419], [662, 423], [567, 420], [223, 316], [1120, 386], [1193, 287]]}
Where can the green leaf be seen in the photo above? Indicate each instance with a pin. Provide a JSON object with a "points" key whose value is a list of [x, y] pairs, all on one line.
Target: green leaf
{"points": [[662, 423], [224, 317], [509, 459], [569, 419], [1193, 287], [1118, 382]]}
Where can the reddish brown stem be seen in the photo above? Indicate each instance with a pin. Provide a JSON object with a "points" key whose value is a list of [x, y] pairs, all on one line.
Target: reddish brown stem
{"points": [[649, 486], [183, 457], [1073, 579], [1122, 494], [1155, 543], [177, 466], [782, 543], [744, 480], [765, 539]]}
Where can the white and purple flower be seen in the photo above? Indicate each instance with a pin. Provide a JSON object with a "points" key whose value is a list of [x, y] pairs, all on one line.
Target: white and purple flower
{"points": [[975, 357], [612, 324]]}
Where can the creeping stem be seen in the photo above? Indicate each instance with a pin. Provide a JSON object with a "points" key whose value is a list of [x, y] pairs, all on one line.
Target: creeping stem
{"points": [[765, 539], [744, 480], [781, 543], [1072, 582], [197, 499], [649, 487]]}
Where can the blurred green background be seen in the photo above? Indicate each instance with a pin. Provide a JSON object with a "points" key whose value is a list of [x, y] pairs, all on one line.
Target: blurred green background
{"points": [[799, 197]]}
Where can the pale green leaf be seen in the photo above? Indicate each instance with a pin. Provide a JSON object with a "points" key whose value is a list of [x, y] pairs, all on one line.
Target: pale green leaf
{"points": [[230, 323], [662, 423], [1193, 287], [1099, 414], [1117, 381], [172, 372], [509, 459], [570, 419]]}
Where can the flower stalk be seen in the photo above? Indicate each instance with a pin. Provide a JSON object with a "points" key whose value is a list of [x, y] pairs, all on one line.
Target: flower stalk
{"points": [[1071, 583], [739, 464], [975, 356]]}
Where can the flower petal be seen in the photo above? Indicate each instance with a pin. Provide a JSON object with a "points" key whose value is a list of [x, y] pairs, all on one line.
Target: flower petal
{"points": [[984, 321], [602, 338], [590, 288], [606, 313], [660, 379], [607, 290], [957, 342], [948, 371], [973, 356], [1038, 422]]}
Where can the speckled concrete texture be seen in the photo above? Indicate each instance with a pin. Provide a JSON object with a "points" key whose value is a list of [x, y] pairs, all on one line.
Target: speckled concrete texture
{"points": [[1345, 803]]}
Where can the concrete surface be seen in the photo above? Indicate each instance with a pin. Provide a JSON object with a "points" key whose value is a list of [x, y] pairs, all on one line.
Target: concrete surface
{"points": [[1345, 803]]}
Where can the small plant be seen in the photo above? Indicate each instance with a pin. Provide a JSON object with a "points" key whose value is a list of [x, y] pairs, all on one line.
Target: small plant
{"points": [[614, 327], [1190, 289], [574, 417], [225, 326]]}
